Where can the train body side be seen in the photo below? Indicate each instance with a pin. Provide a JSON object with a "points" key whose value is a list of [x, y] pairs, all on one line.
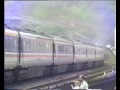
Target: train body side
{"points": [[99, 54], [90, 53], [80, 52], [63, 51], [37, 50], [11, 49]]}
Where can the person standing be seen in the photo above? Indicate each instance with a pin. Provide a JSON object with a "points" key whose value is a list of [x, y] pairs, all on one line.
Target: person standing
{"points": [[76, 85], [80, 84], [83, 83]]}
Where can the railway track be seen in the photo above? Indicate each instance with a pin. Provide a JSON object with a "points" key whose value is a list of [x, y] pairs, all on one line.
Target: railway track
{"points": [[59, 80]]}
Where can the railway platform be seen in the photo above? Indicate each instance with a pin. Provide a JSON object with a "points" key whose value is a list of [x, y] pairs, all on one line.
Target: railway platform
{"points": [[104, 84]]}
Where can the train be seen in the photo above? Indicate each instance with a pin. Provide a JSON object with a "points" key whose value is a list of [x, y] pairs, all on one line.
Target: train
{"points": [[31, 54]]}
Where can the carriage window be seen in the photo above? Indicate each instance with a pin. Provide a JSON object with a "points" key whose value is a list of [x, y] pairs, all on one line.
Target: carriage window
{"points": [[43, 47], [10, 44], [81, 51], [37, 47], [78, 51], [98, 52], [61, 49], [32, 49], [84, 52], [68, 49], [6, 43], [27, 45], [64, 49], [91, 51], [48, 48], [33, 46]]}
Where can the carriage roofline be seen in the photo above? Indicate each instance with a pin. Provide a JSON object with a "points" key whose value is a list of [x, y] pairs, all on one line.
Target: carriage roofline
{"points": [[56, 38], [26, 33]]}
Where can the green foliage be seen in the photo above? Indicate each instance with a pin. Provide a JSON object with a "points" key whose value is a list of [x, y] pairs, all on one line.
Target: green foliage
{"points": [[110, 58]]}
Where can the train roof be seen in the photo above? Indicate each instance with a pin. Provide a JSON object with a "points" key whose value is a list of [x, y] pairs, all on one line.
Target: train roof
{"points": [[57, 38], [28, 33], [87, 44], [35, 35], [77, 42], [42, 35], [10, 31], [81, 43]]}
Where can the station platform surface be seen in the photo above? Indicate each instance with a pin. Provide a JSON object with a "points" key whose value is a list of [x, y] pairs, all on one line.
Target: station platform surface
{"points": [[108, 85]]}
